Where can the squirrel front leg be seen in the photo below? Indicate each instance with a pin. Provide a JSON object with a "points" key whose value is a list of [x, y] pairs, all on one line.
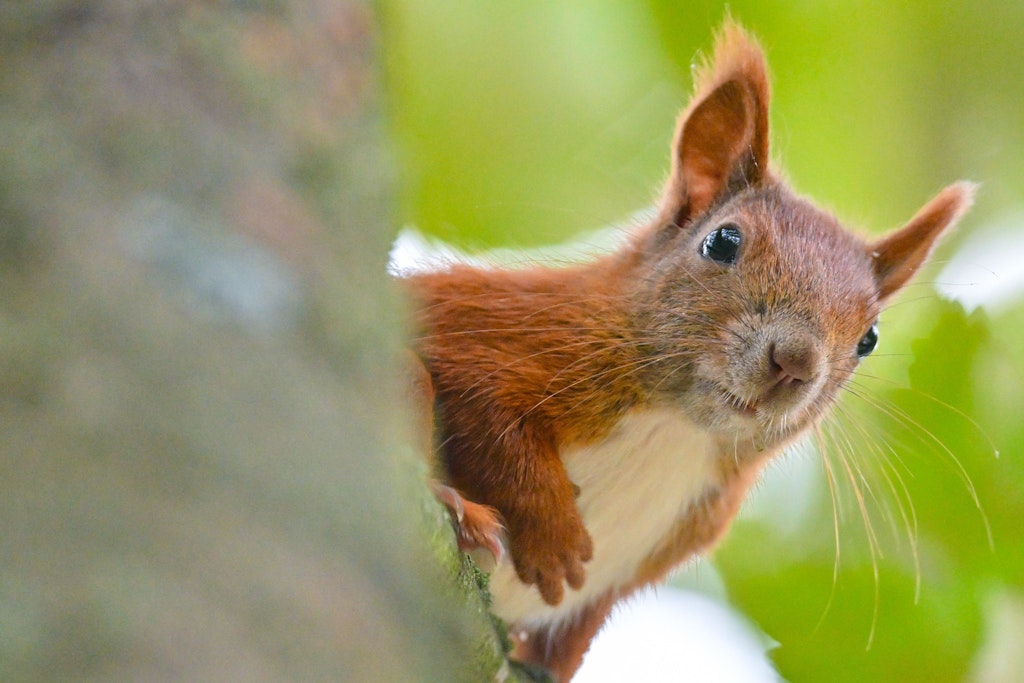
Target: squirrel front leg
{"points": [[524, 478], [521, 480]]}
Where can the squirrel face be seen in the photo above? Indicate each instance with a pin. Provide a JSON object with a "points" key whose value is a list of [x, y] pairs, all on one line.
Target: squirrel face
{"points": [[778, 299], [757, 313]]}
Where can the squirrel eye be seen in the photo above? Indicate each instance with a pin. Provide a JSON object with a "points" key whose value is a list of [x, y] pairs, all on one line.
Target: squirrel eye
{"points": [[722, 244], [868, 342]]}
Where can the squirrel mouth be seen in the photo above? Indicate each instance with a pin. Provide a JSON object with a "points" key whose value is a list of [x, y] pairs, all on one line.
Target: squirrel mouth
{"points": [[740, 405]]}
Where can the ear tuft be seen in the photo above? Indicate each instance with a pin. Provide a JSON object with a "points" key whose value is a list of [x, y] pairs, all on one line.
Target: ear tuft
{"points": [[899, 255], [721, 142], [737, 56]]}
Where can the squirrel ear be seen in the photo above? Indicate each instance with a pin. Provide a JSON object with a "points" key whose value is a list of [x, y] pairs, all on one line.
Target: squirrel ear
{"points": [[898, 256], [721, 142]]}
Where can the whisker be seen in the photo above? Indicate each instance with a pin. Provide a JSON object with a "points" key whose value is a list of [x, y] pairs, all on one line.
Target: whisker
{"points": [[937, 401], [903, 418], [900, 495], [874, 547], [637, 365], [834, 498]]}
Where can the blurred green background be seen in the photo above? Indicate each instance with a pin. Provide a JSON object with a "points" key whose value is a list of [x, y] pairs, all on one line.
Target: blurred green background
{"points": [[527, 123]]}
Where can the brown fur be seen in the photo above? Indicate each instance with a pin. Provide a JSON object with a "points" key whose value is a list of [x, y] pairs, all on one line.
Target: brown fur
{"points": [[527, 363]]}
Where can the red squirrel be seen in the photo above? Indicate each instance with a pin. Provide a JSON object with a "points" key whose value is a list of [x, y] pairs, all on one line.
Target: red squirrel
{"points": [[603, 421]]}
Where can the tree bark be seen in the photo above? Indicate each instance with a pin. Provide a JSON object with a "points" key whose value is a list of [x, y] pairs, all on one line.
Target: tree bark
{"points": [[205, 460]]}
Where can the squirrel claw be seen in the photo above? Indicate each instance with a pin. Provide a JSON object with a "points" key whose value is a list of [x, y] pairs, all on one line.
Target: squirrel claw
{"points": [[476, 526], [451, 499]]}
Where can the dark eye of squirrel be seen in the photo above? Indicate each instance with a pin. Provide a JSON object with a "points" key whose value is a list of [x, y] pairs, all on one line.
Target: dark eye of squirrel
{"points": [[868, 342], [722, 244]]}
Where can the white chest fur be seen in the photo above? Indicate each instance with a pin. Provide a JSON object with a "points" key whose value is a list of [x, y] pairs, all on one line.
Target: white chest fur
{"points": [[634, 485]]}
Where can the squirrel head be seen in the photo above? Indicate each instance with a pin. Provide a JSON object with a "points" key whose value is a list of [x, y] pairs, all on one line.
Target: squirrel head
{"points": [[757, 306]]}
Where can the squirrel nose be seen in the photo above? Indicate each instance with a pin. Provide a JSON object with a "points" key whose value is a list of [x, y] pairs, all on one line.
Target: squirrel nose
{"points": [[793, 361]]}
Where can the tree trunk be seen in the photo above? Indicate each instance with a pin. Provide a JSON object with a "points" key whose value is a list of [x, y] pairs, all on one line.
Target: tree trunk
{"points": [[204, 467]]}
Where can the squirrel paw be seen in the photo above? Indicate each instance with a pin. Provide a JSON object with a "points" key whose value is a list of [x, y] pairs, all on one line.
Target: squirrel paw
{"points": [[476, 526], [552, 557]]}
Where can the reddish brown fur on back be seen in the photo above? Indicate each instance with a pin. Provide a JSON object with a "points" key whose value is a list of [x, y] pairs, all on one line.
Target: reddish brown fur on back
{"points": [[520, 340]]}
